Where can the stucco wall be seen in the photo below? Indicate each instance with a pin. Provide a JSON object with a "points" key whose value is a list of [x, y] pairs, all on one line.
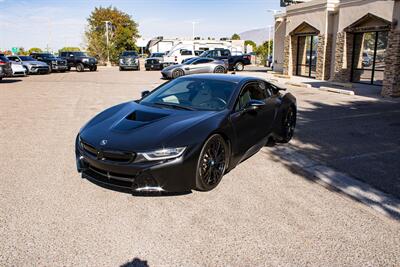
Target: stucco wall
{"points": [[316, 18], [280, 32], [353, 10]]}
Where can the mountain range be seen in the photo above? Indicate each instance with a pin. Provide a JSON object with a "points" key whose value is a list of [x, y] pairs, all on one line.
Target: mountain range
{"points": [[257, 35]]}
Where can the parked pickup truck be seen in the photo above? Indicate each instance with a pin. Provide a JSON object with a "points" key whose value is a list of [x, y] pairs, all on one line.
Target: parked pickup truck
{"points": [[235, 62]]}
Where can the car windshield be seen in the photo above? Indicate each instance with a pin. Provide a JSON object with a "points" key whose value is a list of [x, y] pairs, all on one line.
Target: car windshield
{"points": [[129, 54], [26, 58], [192, 94], [156, 55], [204, 54]]}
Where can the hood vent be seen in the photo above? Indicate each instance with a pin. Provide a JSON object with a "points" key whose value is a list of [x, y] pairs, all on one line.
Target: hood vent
{"points": [[142, 116]]}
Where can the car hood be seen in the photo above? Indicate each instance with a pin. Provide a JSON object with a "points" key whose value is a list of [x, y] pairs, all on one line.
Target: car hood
{"points": [[172, 67], [135, 127], [35, 62]]}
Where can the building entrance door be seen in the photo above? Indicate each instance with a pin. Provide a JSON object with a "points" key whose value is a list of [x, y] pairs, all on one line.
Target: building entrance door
{"points": [[368, 63], [306, 62]]}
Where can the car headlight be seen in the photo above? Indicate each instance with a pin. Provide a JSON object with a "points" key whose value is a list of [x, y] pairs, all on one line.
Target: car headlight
{"points": [[161, 154], [54, 62], [121, 60], [85, 60]]}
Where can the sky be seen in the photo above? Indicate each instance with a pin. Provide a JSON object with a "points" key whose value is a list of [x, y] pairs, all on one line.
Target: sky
{"points": [[59, 23]]}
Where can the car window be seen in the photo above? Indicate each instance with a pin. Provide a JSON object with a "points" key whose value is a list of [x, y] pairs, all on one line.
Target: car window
{"points": [[3, 58], [185, 52], [26, 58], [202, 61], [251, 91], [225, 53]]}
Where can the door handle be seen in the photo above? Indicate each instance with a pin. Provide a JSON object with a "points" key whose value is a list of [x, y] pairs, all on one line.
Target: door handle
{"points": [[186, 68]]}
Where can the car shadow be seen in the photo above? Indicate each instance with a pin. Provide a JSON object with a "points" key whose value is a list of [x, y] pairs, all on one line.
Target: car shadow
{"points": [[136, 262], [134, 193], [6, 80]]}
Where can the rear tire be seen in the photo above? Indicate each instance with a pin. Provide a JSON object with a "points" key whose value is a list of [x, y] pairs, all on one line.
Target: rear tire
{"points": [[239, 66], [288, 125], [212, 163], [80, 67]]}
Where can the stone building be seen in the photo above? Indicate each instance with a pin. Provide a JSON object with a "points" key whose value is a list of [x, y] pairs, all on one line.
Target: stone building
{"points": [[341, 40]]}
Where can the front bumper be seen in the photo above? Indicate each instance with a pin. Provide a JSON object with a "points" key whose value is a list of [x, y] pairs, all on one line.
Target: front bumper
{"points": [[59, 67], [176, 175], [129, 66], [153, 66], [39, 69]]}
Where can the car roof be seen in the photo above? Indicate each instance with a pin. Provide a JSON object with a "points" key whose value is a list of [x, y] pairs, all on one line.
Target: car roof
{"points": [[223, 77]]}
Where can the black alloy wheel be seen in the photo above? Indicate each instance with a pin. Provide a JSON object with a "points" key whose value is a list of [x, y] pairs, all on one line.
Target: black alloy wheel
{"points": [[212, 163], [219, 69], [289, 124]]}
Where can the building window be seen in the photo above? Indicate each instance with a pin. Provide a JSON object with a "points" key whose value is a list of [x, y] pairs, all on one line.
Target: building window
{"points": [[306, 63], [368, 62]]}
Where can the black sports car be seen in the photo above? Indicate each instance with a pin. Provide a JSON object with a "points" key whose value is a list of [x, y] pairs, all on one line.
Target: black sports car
{"points": [[186, 134]]}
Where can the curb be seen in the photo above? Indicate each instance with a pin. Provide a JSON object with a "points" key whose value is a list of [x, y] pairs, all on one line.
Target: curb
{"points": [[345, 85], [282, 76], [377, 200], [304, 85], [336, 90]]}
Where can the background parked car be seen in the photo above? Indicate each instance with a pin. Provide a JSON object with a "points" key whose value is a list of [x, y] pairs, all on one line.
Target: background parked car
{"points": [[153, 62], [31, 65], [55, 63], [5, 67], [194, 66], [17, 69], [235, 62], [79, 60], [129, 60]]}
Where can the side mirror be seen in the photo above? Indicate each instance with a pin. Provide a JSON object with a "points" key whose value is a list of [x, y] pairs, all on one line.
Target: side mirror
{"points": [[254, 104], [145, 93]]}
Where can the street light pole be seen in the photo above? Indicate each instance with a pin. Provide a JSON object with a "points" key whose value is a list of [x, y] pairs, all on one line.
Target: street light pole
{"points": [[193, 24]]}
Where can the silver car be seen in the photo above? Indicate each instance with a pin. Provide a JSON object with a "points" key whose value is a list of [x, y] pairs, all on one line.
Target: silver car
{"points": [[17, 69], [31, 65], [195, 65]]}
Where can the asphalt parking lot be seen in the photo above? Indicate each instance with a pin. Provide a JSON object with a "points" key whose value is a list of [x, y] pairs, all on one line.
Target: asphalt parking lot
{"points": [[263, 213]]}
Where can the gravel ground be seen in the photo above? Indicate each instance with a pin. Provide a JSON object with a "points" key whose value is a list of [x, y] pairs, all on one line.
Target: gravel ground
{"points": [[262, 213]]}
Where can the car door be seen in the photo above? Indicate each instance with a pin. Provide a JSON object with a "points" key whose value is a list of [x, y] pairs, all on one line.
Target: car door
{"points": [[199, 66], [252, 126]]}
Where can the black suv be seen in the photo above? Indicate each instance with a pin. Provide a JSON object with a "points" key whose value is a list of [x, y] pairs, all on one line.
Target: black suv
{"points": [[5, 67], [55, 63], [79, 60], [129, 60]]}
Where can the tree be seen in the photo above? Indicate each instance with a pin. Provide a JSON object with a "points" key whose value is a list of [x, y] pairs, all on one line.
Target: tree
{"points": [[123, 31], [34, 50], [250, 42], [23, 52], [69, 48], [235, 36], [262, 51]]}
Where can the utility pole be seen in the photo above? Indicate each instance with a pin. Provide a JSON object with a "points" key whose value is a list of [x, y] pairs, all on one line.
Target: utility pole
{"points": [[107, 40]]}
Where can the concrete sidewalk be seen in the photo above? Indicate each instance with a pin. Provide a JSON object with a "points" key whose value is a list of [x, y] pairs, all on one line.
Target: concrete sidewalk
{"points": [[358, 135]]}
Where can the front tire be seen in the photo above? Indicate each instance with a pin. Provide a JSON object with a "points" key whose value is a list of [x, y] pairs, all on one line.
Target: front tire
{"points": [[177, 73], [219, 69], [212, 163], [80, 67]]}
